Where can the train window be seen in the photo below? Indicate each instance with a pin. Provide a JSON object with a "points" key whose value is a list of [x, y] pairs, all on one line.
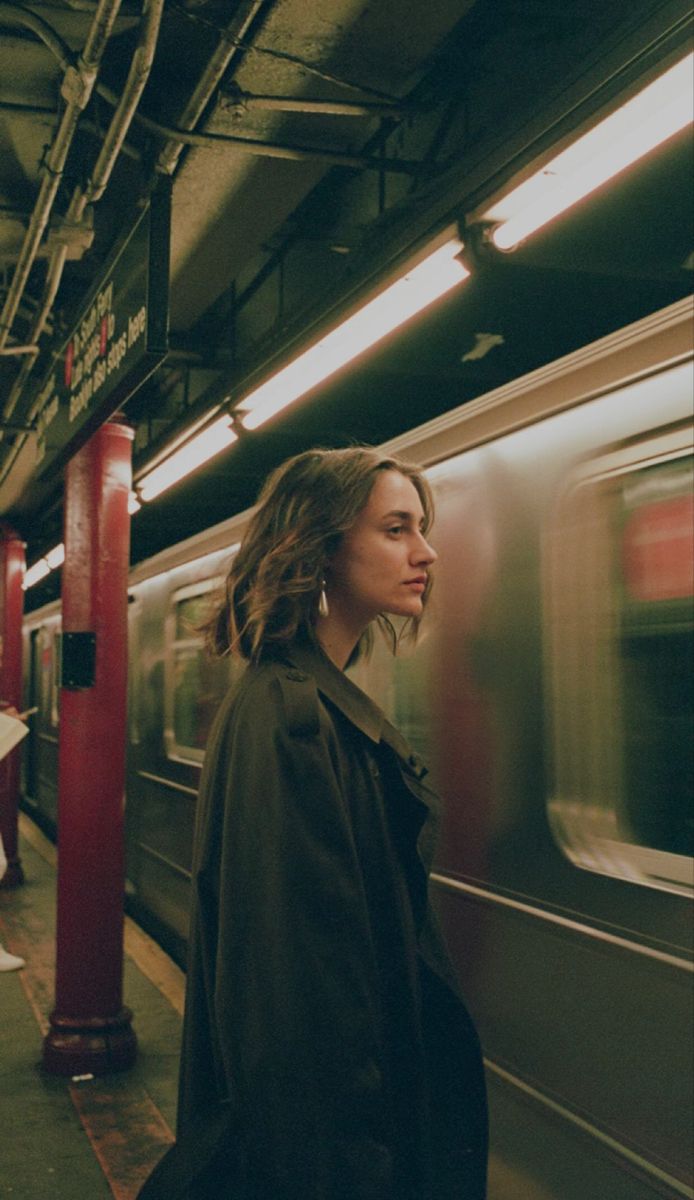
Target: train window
{"points": [[196, 683], [620, 619], [135, 681]]}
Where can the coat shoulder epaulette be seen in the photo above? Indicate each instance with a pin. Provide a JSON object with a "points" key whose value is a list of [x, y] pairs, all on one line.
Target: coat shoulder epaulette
{"points": [[300, 699]]}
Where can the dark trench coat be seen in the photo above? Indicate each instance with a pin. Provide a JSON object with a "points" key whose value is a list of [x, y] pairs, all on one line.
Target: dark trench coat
{"points": [[326, 1052]]}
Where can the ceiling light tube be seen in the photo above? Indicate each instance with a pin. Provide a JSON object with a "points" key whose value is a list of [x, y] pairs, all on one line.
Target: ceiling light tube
{"points": [[655, 114], [43, 566], [38, 571], [200, 449], [56, 556], [418, 287]]}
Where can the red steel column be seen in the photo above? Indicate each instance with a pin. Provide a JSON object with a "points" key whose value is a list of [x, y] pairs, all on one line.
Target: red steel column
{"points": [[90, 1030], [11, 607]]}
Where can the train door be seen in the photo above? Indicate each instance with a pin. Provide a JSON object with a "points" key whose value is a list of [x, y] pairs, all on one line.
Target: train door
{"points": [[40, 780], [30, 756]]}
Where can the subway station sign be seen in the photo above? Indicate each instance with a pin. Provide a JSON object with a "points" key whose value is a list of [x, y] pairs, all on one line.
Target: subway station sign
{"points": [[117, 341]]}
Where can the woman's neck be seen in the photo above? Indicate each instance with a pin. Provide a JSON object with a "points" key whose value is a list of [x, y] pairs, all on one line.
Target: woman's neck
{"points": [[337, 638]]}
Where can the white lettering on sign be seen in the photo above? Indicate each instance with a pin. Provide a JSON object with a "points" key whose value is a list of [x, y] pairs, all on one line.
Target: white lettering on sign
{"points": [[98, 348], [99, 374], [136, 326], [116, 353], [80, 400], [90, 353], [104, 300]]}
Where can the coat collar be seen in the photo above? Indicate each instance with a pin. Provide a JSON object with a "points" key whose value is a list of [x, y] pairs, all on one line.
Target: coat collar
{"points": [[338, 688], [359, 708]]}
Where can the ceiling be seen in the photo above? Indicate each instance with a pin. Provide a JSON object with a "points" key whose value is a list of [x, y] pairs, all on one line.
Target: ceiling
{"points": [[304, 148]]}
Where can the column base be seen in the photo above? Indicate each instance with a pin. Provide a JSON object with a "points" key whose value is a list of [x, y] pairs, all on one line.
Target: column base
{"points": [[89, 1046], [14, 875]]}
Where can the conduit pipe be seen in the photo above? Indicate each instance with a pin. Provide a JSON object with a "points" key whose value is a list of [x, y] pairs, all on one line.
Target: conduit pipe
{"points": [[218, 64], [235, 98], [14, 14], [138, 75], [44, 110], [76, 90], [27, 110], [264, 149], [239, 25]]}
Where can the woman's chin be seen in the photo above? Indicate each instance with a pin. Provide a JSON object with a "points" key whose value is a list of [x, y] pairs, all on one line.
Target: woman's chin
{"points": [[409, 608]]}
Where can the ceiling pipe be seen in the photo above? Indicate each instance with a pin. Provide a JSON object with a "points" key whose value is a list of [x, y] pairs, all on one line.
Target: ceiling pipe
{"points": [[227, 49], [31, 111], [77, 86], [238, 26], [183, 135], [234, 98], [262, 149], [213, 75], [140, 69], [138, 75], [28, 110], [16, 14], [218, 64], [128, 9]]}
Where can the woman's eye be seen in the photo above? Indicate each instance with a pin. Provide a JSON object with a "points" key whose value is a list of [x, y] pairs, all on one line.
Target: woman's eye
{"points": [[395, 530]]}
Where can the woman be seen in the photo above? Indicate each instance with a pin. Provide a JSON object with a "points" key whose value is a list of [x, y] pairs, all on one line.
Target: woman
{"points": [[9, 962], [326, 1054]]}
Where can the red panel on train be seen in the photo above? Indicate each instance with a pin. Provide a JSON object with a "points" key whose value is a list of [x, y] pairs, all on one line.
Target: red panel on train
{"points": [[659, 550]]}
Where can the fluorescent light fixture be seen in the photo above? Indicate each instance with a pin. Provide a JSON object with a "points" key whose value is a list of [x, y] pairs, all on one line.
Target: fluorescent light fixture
{"points": [[43, 566], [655, 114], [56, 557], [36, 573], [413, 291], [205, 445]]}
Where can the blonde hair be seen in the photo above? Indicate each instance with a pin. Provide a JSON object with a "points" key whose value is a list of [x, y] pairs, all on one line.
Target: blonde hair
{"points": [[307, 504]]}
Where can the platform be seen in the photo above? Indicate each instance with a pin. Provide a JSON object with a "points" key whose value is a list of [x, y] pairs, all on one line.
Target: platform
{"points": [[80, 1138]]}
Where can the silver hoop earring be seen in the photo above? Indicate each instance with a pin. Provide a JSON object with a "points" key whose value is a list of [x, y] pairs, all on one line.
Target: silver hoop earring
{"points": [[323, 609]]}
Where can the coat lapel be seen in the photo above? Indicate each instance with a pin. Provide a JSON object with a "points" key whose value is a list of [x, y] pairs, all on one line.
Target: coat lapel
{"points": [[361, 710]]}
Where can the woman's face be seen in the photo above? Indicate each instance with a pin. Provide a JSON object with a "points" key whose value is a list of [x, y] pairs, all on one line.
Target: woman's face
{"points": [[382, 562]]}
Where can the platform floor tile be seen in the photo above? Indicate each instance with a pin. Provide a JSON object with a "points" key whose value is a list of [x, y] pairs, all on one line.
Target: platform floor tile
{"points": [[79, 1139]]}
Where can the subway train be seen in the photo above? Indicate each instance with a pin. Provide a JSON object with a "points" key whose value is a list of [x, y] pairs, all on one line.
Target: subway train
{"points": [[551, 694]]}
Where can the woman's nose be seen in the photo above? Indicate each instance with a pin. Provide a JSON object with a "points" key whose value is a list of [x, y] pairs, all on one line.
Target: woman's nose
{"points": [[423, 552]]}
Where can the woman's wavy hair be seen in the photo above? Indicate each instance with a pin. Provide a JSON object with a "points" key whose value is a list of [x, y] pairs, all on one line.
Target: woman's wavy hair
{"points": [[271, 592]]}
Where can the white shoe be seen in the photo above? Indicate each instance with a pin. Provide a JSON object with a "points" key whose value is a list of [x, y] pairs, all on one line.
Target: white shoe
{"points": [[10, 962]]}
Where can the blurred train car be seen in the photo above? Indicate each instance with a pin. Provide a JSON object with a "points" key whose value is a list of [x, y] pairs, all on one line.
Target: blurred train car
{"points": [[552, 695]]}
